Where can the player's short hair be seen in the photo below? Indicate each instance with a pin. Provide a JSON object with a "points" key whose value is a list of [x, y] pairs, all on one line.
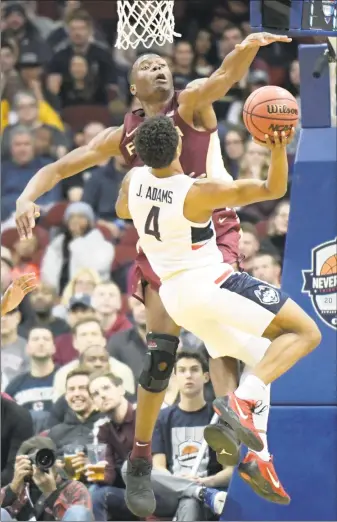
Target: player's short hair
{"points": [[187, 354], [156, 142]]}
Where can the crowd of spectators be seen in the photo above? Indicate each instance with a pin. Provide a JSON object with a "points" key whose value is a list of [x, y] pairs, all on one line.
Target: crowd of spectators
{"points": [[62, 82]]}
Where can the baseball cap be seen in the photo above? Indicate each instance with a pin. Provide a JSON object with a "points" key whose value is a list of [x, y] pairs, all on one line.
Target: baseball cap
{"points": [[80, 300], [29, 59]]}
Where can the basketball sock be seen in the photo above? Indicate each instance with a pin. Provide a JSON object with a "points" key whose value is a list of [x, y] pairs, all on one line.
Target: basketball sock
{"points": [[252, 388], [260, 419], [141, 450]]}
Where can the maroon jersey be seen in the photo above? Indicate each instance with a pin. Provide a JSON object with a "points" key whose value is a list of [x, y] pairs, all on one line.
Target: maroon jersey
{"points": [[200, 153]]}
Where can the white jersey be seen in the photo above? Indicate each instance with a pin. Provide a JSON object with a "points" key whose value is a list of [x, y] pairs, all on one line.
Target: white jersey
{"points": [[171, 242]]}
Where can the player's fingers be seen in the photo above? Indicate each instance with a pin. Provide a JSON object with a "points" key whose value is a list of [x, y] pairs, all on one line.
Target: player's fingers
{"points": [[277, 141], [268, 140], [284, 139], [22, 225]]}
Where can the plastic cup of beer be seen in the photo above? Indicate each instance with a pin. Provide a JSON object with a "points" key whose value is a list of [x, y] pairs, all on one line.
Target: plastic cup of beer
{"points": [[69, 452], [97, 463]]}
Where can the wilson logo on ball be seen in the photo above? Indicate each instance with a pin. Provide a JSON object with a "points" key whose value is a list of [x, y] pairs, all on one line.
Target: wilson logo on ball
{"points": [[280, 109]]}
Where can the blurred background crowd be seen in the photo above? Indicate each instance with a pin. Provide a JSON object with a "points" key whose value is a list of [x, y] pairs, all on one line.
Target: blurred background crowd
{"points": [[62, 82]]}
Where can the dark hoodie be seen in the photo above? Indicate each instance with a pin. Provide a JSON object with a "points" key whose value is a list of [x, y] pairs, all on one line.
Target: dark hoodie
{"points": [[73, 430]]}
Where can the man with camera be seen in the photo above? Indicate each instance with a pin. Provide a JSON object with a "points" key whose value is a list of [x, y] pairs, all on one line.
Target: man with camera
{"points": [[40, 491]]}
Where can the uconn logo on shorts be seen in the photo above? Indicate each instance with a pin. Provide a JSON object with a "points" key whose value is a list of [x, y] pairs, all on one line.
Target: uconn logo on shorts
{"points": [[267, 295]]}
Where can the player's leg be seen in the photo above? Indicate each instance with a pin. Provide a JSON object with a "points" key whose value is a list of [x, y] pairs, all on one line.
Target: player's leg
{"points": [[162, 343], [293, 334]]}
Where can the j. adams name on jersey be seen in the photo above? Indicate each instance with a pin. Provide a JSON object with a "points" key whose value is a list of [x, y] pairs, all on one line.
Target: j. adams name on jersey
{"points": [[155, 194]]}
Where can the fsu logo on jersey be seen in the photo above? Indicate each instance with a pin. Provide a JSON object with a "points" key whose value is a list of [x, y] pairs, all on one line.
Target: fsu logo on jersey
{"points": [[321, 282]]}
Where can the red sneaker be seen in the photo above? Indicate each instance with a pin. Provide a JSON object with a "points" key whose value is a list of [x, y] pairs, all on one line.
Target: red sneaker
{"points": [[261, 477], [238, 413]]}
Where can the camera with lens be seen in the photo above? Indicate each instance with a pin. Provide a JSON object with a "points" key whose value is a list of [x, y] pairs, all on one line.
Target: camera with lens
{"points": [[43, 459]]}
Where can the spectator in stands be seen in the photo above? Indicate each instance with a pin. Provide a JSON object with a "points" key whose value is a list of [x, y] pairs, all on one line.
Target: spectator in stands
{"points": [[73, 186], [32, 75], [202, 50], [101, 193], [129, 347], [267, 267], [43, 24], [69, 251], [234, 144], [81, 86], [17, 171], [107, 393], [25, 254], [11, 81], [43, 300], [86, 330], [16, 427], [183, 65], [177, 439], [81, 416], [95, 358], [61, 32], [107, 302], [249, 245], [13, 348], [278, 226], [101, 68], [22, 30], [26, 105], [88, 333], [51, 496], [34, 389]]}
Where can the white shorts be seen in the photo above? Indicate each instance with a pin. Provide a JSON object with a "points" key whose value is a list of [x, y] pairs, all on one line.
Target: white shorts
{"points": [[225, 317]]}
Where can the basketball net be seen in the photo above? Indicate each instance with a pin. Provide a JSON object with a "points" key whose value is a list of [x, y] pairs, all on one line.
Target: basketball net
{"points": [[145, 22], [333, 84]]}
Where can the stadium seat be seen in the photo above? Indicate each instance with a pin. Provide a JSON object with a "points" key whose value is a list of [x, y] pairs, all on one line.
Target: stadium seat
{"points": [[80, 115], [54, 217]]}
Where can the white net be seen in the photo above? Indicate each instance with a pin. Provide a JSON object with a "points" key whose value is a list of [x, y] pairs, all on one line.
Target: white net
{"points": [[145, 22]]}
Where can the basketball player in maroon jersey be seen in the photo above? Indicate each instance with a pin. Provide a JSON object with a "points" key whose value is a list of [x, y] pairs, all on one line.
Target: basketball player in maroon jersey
{"points": [[192, 112]]}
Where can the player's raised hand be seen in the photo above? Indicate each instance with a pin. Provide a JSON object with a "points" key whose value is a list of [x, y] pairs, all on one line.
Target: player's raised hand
{"points": [[25, 215], [261, 39], [279, 141], [17, 291]]}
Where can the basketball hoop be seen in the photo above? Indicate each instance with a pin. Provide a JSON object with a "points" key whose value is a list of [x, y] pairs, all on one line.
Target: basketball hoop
{"points": [[147, 22]]}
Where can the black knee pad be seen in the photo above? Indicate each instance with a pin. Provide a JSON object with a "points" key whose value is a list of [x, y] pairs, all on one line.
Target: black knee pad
{"points": [[159, 361]]}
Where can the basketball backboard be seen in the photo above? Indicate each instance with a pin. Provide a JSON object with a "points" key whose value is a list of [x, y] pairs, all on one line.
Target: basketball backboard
{"points": [[295, 17]]}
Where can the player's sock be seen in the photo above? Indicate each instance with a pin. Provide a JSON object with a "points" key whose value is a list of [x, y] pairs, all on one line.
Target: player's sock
{"points": [[141, 449], [260, 418], [252, 388]]}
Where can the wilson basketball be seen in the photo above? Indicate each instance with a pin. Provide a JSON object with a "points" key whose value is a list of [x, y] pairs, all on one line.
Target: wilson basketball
{"points": [[270, 109], [330, 266]]}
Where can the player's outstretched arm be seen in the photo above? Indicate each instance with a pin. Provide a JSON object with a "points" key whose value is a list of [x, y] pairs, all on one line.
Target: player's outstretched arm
{"points": [[104, 145], [232, 69], [211, 195]]}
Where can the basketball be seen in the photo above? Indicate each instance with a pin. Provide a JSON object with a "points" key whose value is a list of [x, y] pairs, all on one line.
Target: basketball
{"points": [[330, 266], [270, 109]]}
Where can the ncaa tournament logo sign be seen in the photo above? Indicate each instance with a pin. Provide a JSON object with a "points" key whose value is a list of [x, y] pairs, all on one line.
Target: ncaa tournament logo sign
{"points": [[321, 282]]}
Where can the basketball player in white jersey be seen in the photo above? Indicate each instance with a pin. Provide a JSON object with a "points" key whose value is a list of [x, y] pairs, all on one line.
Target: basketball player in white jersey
{"points": [[172, 214]]}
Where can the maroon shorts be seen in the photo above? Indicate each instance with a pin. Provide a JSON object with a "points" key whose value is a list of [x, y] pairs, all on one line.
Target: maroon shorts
{"points": [[144, 275]]}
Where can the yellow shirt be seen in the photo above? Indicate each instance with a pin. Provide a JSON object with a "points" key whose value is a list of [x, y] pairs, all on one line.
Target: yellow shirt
{"points": [[47, 115]]}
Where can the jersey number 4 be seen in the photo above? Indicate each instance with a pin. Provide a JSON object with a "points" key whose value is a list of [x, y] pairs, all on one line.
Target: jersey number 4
{"points": [[151, 225]]}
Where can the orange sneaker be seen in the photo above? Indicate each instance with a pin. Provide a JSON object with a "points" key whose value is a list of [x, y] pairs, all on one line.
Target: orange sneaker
{"points": [[238, 413], [262, 478]]}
